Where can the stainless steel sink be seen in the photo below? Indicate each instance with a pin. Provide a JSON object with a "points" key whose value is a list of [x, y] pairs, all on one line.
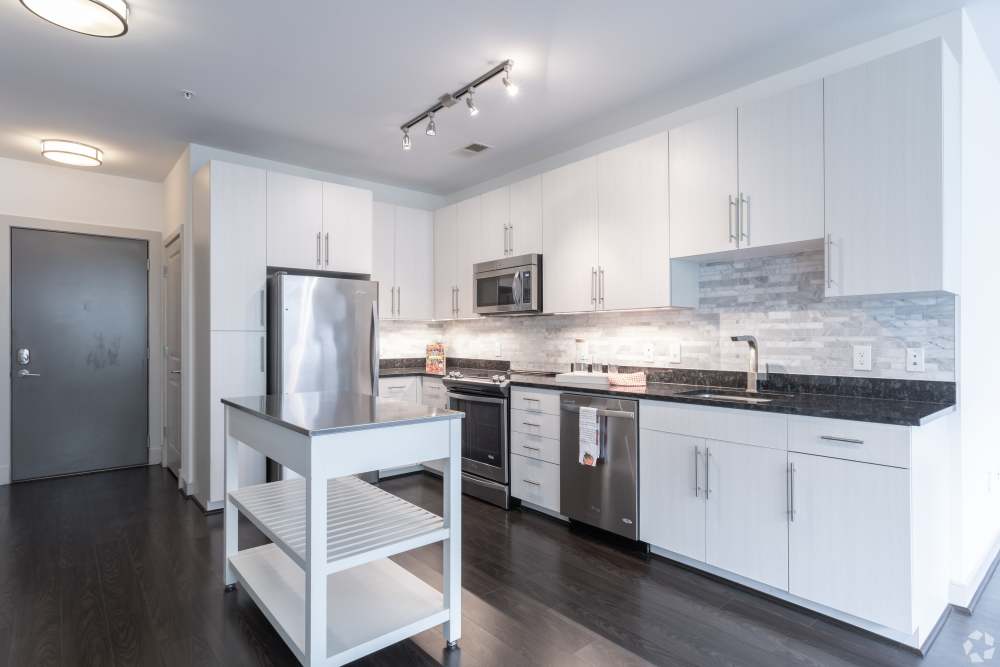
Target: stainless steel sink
{"points": [[733, 396]]}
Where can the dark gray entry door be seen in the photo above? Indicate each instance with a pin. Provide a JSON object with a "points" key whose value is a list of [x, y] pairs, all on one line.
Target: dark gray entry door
{"points": [[78, 353]]}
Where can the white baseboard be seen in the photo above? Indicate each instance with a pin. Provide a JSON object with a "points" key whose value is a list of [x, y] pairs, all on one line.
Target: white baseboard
{"points": [[4, 475], [962, 594], [155, 455]]}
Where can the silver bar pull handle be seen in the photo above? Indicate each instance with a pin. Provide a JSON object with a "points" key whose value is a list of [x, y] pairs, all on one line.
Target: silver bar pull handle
{"points": [[708, 472], [732, 205], [373, 341], [263, 354], [600, 293], [528, 481], [846, 441], [532, 425], [327, 242], [697, 473], [319, 255], [829, 252], [534, 449], [744, 219], [791, 492], [593, 284], [399, 300], [25, 373], [511, 232], [263, 306]]}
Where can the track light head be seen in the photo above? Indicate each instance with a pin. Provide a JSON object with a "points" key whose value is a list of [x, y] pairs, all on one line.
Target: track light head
{"points": [[431, 126], [471, 103], [407, 144], [508, 82]]}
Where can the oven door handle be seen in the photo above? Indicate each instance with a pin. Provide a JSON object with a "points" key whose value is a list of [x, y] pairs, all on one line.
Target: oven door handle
{"points": [[477, 399]]}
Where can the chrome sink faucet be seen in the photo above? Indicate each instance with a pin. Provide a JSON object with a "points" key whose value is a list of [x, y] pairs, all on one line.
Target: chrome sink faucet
{"points": [[752, 372]]}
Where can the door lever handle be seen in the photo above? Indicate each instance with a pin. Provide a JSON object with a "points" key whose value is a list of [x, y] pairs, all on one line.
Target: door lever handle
{"points": [[24, 372]]}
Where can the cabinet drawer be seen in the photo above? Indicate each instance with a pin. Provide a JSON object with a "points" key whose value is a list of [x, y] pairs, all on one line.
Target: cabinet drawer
{"points": [[535, 401], [883, 444], [726, 424], [534, 423], [399, 388], [535, 447], [434, 393], [534, 481]]}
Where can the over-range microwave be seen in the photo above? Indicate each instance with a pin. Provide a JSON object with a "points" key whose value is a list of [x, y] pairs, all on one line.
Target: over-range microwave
{"points": [[508, 286]]}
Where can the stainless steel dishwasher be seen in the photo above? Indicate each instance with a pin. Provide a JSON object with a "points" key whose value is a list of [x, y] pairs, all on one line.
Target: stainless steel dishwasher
{"points": [[605, 495]]}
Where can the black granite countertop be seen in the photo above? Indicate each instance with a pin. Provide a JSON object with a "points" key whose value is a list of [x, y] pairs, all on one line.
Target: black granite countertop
{"points": [[866, 409], [319, 413]]}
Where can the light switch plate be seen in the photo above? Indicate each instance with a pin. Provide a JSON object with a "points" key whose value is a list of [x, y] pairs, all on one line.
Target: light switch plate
{"points": [[674, 353], [915, 359], [862, 357], [648, 352], [498, 353]]}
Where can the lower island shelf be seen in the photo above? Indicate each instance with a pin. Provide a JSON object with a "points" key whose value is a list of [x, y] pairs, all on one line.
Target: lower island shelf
{"points": [[369, 606]]}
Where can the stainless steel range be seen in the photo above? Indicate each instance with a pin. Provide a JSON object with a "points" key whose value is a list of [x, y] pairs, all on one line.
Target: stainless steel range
{"points": [[483, 397]]}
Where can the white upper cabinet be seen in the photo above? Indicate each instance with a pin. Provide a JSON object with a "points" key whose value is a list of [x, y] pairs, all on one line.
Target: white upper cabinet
{"points": [[467, 228], [781, 168], [384, 257], [445, 222], [414, 264], [891, 141], [347, 229], [704, 186], [238, 239], [569, 236], [633, 255], [494, 242], [525, 234], [294, 221]]}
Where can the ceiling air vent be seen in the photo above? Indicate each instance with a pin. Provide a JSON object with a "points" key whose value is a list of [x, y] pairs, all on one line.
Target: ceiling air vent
{"points": [[476, 148]]}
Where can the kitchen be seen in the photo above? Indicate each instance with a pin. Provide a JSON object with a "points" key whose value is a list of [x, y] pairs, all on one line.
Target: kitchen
{"points": [[709, 385]]}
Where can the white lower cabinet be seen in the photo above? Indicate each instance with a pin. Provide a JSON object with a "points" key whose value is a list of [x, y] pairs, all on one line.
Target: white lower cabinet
{"points": [[433, 393], [402, 388], [849, 544], [671, 492], [535, 481], [746, 504]]}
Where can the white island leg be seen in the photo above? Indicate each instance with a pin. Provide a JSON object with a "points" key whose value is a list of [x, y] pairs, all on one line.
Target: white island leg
{"points": [[316, 577], [232, 468], [453, 545]]}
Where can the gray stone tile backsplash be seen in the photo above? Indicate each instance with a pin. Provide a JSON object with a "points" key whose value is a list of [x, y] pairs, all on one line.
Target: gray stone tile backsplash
{"points": [[778, 299]]}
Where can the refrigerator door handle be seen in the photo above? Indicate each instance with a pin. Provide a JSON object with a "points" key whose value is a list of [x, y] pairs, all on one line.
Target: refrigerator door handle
{"points": [[374, 348]]}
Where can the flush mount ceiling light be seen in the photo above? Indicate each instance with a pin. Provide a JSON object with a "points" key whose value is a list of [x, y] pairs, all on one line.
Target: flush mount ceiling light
{"points": [[100, 18], [468, 91], [72, 152]]}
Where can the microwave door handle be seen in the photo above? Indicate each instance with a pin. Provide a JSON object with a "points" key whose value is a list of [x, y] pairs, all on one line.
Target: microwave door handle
{"points": [[516, 286]]}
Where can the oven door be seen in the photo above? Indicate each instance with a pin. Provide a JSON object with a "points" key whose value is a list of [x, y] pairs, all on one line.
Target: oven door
{"points": [[484, 435], [508, 290]]}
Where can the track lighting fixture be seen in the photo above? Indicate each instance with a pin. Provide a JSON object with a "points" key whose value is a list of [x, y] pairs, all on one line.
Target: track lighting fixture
{"points": [[508, 82], [471, 103], [468, 91]]}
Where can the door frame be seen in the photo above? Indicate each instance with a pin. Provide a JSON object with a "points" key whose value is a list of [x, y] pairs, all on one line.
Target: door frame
{"points": [[154, 316], [178, 236]]}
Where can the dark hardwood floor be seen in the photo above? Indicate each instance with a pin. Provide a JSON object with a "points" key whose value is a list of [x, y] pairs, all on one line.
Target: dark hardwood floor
{"points": [[118, 568]]}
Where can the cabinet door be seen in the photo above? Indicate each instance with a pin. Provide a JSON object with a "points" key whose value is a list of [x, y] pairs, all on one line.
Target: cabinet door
{"points": [[525, 234], [445, 220], [671, 492], [347, 229], [747, 524], [466, 252], [238, 232], [414, 264], [569, 236], [633, 250], [494, 227], [885, 208], [703, 178], [849, 538], [399, 388], [237, 369], [781, 167], [384, 257], [294, 221]]}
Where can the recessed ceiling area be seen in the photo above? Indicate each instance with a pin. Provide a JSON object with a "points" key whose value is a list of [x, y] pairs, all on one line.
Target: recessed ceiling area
{"points": [[327, 85]]}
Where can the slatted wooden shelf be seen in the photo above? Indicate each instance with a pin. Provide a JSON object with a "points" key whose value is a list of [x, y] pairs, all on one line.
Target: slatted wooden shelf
{"points": [[364, 523]]}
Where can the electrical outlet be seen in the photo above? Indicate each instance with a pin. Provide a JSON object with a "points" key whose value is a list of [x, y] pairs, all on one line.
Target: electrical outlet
{"points": [[648, 352], [915, 359], [862, 357], [498, 353], [674, 353]]}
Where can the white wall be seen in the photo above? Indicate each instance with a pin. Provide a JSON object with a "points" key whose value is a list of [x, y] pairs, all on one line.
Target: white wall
{"points": [[67, 194]]}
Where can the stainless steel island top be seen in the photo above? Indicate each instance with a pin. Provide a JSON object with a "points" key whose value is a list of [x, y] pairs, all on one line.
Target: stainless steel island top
{"points": [[319, 413]]}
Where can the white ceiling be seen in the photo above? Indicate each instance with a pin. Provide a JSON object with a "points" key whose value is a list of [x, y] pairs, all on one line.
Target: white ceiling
{"points": [[326, 84]]}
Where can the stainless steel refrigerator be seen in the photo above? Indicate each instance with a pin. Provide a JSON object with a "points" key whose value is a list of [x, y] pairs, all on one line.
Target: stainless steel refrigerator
{"points": [[322, 334]]}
